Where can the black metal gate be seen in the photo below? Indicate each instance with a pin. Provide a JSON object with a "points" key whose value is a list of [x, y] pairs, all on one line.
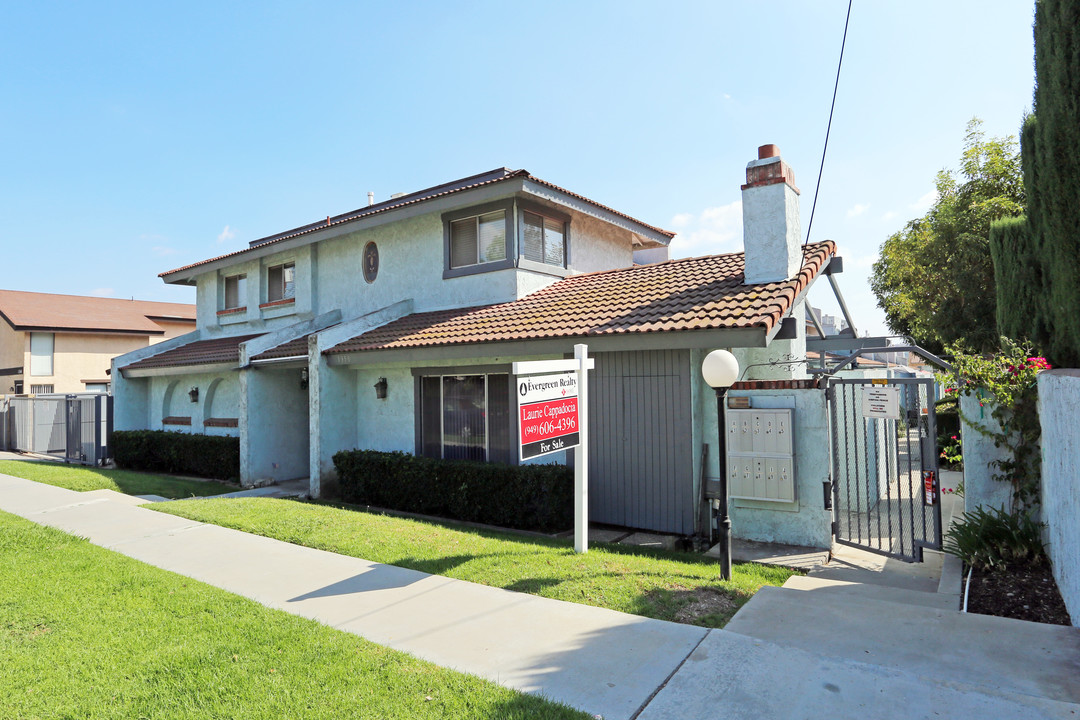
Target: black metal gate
{"points": [[886, 489]]}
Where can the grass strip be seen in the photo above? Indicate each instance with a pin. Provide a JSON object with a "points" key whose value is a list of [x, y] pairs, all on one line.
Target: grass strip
{"points": [[82, 479], [88, 633], [683, 587]]}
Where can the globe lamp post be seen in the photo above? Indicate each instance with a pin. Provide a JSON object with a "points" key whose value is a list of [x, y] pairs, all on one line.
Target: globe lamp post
{"points": [[720, 370]]}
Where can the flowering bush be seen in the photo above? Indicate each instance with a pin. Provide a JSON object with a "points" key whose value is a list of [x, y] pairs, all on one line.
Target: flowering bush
{"points": [[1006, 382], [952, 452]]}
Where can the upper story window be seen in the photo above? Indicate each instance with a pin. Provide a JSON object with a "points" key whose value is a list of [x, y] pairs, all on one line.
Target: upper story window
{"points": [[479, 239], [235, 291], [41, 354], [543, 240], [281, 282]]}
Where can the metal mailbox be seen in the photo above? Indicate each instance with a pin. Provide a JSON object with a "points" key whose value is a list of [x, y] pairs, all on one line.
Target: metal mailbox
{"points": [[761, 454]]}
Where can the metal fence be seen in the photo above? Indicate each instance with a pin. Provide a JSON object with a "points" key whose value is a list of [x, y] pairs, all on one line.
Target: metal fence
{"points": [[885, 474], [74, 428]]}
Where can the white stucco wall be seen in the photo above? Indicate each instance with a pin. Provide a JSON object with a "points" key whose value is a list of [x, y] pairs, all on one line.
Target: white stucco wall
{"points": [[804, 522], [775, 252], [754, 363], [167, 396], [274, 437], [980, 489], [1059, 407], [595, 245]]}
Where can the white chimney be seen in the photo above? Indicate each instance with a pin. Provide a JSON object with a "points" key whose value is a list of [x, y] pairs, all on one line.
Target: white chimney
{"points": [[770, 206], [370, 198]]}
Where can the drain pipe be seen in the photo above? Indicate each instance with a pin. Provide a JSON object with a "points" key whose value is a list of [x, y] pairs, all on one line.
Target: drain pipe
{"points": [[967, 586]]}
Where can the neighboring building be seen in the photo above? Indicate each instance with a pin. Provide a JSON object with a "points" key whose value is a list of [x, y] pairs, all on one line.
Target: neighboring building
{"points": [[394, 328], [65, 343]]}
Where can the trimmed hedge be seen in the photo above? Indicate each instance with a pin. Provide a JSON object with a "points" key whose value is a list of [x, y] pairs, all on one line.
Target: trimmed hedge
{"points": [[526, 497], [209, 456]]}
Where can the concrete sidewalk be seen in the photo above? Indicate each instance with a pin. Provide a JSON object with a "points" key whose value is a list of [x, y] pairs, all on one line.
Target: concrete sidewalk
{"points": [[857, 640], [604, 662]]}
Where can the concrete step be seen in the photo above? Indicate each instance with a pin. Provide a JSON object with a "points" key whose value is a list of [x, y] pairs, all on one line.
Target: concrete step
{"points": [[825, 590], [743, 678], [1007, 655]]}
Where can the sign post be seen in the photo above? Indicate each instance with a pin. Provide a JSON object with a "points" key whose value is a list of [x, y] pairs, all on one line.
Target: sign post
{"points": [[553, 416]]}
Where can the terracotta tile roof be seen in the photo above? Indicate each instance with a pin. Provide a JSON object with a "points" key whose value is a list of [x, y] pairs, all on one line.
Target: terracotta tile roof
{"points": [[690, 294], [474, 181], [32, 310], [200, 352], [292, 348]]}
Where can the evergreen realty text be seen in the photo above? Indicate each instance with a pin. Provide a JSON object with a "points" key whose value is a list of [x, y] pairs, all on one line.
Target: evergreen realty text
{"points": [[547, 414]]}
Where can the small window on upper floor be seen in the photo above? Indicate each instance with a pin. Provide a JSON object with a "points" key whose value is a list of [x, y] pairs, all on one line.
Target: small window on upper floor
{"points": [[281, 282], [544, 240], [235, 291], [479, 239]]}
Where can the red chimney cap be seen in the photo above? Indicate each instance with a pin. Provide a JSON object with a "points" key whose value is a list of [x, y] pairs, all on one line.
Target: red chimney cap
{"points": [[768, 151]]}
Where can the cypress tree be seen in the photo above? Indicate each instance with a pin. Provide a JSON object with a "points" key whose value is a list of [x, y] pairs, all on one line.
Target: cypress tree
{"points": [[1054, 193]]}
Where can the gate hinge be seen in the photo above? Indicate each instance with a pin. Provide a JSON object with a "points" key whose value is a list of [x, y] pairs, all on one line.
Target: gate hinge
{"points": [[835, 528]]}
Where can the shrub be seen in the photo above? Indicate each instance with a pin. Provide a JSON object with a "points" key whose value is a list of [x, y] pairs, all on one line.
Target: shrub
{"points": [[992, 538], [208, 456], [526, 497]]}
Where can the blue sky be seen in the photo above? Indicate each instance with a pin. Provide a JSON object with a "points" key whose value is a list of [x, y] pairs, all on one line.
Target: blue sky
{"points": [[140, 137]]}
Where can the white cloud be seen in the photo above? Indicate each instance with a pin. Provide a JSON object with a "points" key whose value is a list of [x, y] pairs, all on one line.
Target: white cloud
{"points": [[102, 292], [227, 234], [726, 96], [888, 216], [714, 230], [164, 250], [681, 220], [923, 204], [857, 210]]}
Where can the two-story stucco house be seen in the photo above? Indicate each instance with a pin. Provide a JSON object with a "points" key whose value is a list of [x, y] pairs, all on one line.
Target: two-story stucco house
{"points": [[65, 343], [394, 327]]}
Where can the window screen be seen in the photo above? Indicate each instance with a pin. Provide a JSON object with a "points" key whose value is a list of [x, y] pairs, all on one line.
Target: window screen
{"points": [[478, 239], [466, 417], [544, 240], [281, 282], [41, 354], [235, 291]]}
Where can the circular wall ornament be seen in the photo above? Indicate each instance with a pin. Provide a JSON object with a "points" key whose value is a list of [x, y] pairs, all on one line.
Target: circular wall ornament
{"points": [[371, 262]]}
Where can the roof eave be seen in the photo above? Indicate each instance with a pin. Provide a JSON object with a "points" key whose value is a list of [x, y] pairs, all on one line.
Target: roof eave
{"points": [[132, 372], [662, 340]]}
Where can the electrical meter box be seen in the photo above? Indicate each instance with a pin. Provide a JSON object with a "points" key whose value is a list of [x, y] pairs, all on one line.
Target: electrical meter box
{"points": [[760, 450]]}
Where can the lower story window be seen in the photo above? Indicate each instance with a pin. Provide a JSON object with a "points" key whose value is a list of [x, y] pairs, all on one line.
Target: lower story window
{"points": [[41, 389], [466, 417]]}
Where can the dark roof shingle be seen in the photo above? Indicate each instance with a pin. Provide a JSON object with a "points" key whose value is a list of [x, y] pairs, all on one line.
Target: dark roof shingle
{"points": [[26, 310], [200, 352]]}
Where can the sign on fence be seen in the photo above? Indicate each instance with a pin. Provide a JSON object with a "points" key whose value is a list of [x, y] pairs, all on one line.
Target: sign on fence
{"points": [[881, 402]]}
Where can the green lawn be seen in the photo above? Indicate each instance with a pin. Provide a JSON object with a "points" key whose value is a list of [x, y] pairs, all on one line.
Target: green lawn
{"points": [[82, 478], [88, 633], [668, 585]]}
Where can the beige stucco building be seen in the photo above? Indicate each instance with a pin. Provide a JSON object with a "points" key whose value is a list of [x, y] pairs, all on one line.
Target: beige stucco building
{"points": [[65, 343]]}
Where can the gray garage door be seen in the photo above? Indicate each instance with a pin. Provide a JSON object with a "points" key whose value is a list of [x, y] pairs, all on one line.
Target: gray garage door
{"points": [[640, 445]]}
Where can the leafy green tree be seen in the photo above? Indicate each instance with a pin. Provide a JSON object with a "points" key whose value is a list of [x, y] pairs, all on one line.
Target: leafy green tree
{"points": [[935, 279]]}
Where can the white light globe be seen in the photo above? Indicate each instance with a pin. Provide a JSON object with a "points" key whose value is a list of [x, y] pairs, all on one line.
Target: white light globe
{"points": [[720, 369]]}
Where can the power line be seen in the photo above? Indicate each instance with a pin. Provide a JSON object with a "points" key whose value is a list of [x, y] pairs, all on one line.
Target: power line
{"points": [[832, 107]]}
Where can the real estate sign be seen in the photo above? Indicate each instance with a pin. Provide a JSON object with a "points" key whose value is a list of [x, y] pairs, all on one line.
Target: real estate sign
{"points": [[547, 413]]}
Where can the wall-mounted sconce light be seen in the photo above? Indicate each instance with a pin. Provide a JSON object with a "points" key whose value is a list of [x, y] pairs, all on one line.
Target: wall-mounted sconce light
{"points": [[380, 389], [303, 379], [193, 393]]}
